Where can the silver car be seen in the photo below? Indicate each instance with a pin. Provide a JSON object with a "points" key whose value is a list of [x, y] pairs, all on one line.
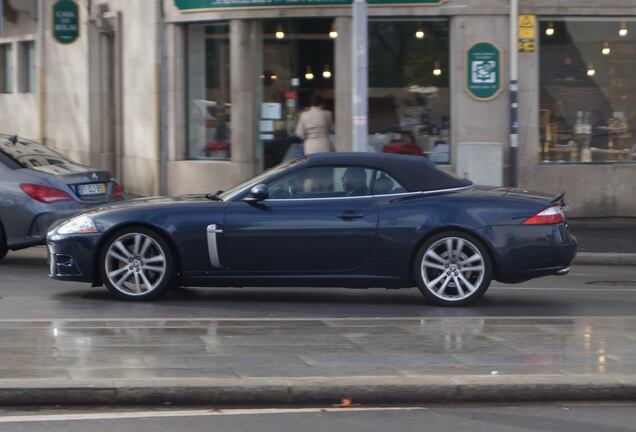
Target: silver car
{"points": [[39, 187]]}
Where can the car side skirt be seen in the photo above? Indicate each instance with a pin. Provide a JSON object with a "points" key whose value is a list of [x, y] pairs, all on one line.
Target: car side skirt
{"points": [[320, 280]]}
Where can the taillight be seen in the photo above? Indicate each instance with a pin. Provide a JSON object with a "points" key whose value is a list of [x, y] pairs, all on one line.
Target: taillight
{"points": [[44, 194], [550, 216], [117, 191]]}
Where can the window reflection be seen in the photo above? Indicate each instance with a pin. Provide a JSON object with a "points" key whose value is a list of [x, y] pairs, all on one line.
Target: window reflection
{"points": [[409, 108], [209, 91], [587, 91]]}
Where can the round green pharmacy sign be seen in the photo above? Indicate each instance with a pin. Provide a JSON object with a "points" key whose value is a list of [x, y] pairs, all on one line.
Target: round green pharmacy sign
{"points": [[65, 21], [483, 66]]}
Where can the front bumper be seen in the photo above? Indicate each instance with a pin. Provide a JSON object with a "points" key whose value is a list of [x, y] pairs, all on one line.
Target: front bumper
{"points": [[74, 257], [524, 252]]}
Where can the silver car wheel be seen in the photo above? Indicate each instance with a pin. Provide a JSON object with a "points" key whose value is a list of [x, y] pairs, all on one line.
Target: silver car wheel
{"points": [[135, 264], [452, 268]]}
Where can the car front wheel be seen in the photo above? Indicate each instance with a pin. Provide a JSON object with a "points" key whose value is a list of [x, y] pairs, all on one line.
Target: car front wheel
{"points": [[136, 264], [453, 269]]}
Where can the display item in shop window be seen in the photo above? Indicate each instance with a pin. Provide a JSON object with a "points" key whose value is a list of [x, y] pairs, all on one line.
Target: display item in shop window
{"points": [[220, 145], [405, 144]]}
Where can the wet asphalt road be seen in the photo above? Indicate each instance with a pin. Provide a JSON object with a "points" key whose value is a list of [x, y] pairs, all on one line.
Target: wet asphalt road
{"points": [[557, 418], [26, 292]]}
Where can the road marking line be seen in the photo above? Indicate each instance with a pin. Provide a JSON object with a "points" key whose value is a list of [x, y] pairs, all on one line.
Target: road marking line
{"points": [[270, 319], [191, 413]]}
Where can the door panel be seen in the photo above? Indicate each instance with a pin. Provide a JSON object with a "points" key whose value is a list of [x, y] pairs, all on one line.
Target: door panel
{"points": [[300, 235]]}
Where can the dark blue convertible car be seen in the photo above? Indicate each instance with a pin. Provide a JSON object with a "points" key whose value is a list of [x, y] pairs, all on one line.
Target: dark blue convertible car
{"points": [[335, 219]]}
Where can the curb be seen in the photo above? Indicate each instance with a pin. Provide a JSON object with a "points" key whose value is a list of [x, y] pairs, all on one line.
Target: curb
{"points": [[312, 391], [605, 258]]}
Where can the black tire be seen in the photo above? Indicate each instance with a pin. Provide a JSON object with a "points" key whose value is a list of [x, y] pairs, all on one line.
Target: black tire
{"points": [[161, 282], [4, 249], [460, 267]]}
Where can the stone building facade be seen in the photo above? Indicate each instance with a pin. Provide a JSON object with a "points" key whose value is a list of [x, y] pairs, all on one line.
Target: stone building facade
{"points": [[202, 94]]}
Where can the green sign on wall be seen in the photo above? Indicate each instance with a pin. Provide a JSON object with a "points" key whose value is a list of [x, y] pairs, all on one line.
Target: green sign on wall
{"points": [[483, 71], [207, 4], [65, 21]]}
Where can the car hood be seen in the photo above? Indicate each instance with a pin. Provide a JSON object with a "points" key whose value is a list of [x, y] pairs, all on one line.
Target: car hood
{"points": [[154, 202]]}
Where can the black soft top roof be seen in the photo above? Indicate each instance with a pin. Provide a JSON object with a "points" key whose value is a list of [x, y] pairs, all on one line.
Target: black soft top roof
{"points": [[415, 173]]}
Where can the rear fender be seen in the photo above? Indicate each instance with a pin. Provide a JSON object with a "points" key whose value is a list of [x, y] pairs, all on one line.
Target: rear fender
{"points": [[489, 247]]}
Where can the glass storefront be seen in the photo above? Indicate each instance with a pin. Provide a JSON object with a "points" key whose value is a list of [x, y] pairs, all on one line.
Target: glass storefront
{"points": [[298, 63], [208, 82], [409, 97], [587, 90]]}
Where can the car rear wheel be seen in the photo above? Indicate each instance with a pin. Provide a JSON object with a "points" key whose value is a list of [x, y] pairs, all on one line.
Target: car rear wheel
{"points": [[136, 264], [3, 244], [453, 269]]}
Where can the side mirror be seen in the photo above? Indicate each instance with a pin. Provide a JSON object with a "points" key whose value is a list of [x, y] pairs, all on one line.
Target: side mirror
{"points": [[258, 193]]}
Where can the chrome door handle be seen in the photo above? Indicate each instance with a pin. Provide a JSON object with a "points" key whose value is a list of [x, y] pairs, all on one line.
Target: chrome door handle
{"points": [[350, 215]]}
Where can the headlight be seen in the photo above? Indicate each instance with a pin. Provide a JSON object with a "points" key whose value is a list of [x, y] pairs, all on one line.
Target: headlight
{"points": [[78, 225]]}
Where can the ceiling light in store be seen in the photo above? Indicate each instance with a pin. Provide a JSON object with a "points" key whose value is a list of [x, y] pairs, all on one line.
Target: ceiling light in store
{"points": [[437, 70], [550, 30], [590, 70], [326, 73], [333, 33], [280, 34], [309, 75], [274, 77], [606, 49], [623, 30], [419, 33]]}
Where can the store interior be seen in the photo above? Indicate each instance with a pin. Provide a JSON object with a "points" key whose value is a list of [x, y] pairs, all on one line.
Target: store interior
{"points": [[408, 95], [587, 90]]}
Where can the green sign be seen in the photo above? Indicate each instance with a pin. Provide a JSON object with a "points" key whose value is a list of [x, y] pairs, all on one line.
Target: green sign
{"points": [[483, 71], [207, 4], [65, 21]]}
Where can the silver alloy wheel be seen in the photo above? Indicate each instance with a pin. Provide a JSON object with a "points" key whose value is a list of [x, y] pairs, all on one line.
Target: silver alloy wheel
{"points": [[135, 264], [452, 268]]}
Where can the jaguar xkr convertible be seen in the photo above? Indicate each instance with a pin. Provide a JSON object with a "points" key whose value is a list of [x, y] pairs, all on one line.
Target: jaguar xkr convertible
{"points": [[355, 220]]}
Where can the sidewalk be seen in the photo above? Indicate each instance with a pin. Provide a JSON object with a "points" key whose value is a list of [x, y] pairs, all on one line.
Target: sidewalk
{"points": [[321, 361], [609, 241]]}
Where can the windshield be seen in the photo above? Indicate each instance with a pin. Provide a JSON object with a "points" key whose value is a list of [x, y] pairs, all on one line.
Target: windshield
{"points": [[29, 154], [231, 193]]}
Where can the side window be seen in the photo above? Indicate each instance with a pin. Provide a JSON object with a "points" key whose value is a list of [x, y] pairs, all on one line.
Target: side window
{"points": [[323, 182], [384, 184]]}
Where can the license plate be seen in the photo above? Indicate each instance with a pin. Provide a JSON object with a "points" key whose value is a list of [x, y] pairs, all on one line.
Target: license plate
{"points": [[92, 189]]}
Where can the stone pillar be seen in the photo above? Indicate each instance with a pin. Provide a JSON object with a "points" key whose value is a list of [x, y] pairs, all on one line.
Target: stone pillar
{"points": [[473, 120], [343, 103], [177, 106], [244, 114], [529, 139]]}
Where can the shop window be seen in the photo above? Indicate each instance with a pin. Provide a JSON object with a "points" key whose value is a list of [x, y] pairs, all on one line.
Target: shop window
{"points": [[6, 68], [26, 59], [298, 63], [208, 81], [409, 98], [587, 90]]}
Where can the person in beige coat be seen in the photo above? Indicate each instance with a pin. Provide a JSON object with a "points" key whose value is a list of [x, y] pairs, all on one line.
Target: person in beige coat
{"points": [[314, 127]]}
